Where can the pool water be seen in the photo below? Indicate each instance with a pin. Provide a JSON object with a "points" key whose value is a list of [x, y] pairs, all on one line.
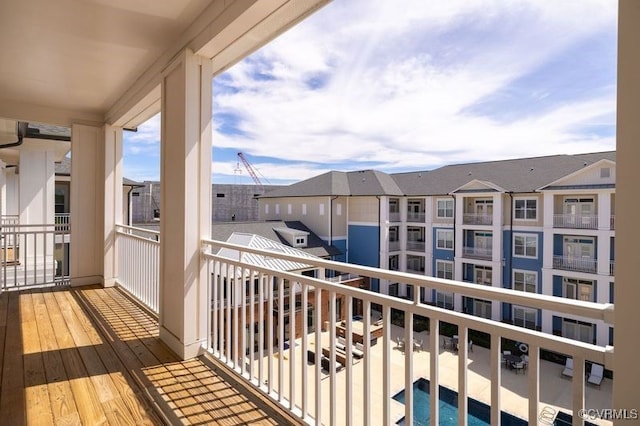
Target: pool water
{"points": [[479, 413]]}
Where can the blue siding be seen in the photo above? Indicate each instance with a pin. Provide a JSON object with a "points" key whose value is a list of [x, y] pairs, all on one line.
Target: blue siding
{"points": [[557, 245], [467, 272], [556, 325], [342, 246], [441, 254], [467, 305], [364, 245], [506, 255], [507, 312], [557, 286]]}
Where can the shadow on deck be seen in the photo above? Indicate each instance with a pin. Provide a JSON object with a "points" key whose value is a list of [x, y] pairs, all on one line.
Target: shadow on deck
{"points": [[92, 355]]}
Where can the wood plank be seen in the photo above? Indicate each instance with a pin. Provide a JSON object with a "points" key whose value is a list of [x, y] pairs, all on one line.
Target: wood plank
{"points": [[87, 402], [36, 391], [132, 402], [62, 403], [12, 403]]}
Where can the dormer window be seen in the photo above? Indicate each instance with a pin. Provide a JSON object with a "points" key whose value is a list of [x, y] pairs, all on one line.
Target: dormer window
{"points": [[301, 241], [605, 172]]}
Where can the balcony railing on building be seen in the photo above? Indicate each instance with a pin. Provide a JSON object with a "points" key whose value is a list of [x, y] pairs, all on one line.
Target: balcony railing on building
{"points": [[575, 221], [477, 219], [394, 216], [394, 245], [34, 254], [416, 245], [612, 264], [576, 264], [612, 222], [477, 252], [416, 217]]}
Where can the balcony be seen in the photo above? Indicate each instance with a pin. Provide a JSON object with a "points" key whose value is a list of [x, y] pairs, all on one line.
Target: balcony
{"points": [[477, 252], [113, 368], [575, 264], [477, 219], [394, 245], [416, 245], [394, 216], [418, 217], [575, 221]]}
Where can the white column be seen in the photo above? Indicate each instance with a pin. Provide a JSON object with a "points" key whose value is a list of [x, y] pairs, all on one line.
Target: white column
{"points": [[627, 314], [3, 188], [547, 236], [185, 209], [604, 210], [36, 187], [87, 205], [113, 201]]}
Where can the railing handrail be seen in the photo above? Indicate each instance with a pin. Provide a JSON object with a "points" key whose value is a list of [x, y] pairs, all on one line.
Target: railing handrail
{"points": [[591, 310], [122, 230], [548, 341]]}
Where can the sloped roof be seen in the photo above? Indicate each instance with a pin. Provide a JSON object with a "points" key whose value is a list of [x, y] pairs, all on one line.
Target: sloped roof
{"points": [[315, 245], [257, 241], [334, 183], [518, 175]]}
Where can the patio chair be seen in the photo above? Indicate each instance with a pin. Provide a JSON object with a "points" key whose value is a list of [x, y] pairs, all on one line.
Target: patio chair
{"points": [[595, 377], [518, 366], [504, 360], [568, 368], [417, 345]]}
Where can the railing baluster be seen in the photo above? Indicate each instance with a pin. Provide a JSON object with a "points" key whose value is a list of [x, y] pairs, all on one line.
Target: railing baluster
{"points": [[434, 371], [495, 354], [349, 358], [228, 303], [246, 279], [281, 327], [270, 336], [318, 354], [305, 347], [332, 358], [463, 404], [292, 345], [254, 276], [367, 365], [408, 368], [261, 339], [386, 366]]}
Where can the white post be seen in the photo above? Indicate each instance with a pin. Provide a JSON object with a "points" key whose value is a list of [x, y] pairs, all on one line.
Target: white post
{"points": [[185, 209], [112, 201], [87, 205]]}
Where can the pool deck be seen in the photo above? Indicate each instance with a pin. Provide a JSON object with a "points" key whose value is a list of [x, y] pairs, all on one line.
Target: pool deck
{"points": [[555, 391]]}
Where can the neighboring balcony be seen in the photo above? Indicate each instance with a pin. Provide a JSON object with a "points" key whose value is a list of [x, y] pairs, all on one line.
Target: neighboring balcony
{"points": [[416, 217], [477, 252], [576, 264], [477, 219], [394, 216], [575, 221], [416, 245], [394, 245]]}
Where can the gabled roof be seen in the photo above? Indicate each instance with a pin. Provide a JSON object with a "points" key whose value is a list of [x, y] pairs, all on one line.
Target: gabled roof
{"points": [[257, 241], [315, 245], [518, 175], [334, 183]]}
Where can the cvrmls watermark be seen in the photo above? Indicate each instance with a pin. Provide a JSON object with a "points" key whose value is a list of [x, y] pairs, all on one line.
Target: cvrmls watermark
{"points": [[609, 414]]}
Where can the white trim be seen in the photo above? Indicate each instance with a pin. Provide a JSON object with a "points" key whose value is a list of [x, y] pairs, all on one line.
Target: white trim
{"points": [[525, 272], [448, 231]]}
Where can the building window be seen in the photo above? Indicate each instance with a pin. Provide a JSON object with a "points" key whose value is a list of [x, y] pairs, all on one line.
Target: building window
{"points": [[444, 208], [444, 239], [393, 289], [525, 245], [301, 241], [482, 275], [393, 262], [266, 209], [525, 209], [482, 308], [321, 209], [444, 300], [525, 281], [578, 330], [573, 288], [415, 263], [304, 209], [444, 269], [605, 172], [220, 195], [277, 208], [289, 208], [524, 317], [339, 209]]}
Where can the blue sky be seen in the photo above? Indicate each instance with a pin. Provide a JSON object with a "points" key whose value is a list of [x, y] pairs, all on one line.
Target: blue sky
{"points": [[364, 84]]}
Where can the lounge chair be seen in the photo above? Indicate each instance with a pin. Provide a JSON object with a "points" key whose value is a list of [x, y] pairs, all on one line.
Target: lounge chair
{"points": [[568, 368], [504, 360], [595, 377]]}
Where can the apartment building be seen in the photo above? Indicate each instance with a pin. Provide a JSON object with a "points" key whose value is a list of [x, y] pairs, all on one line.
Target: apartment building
{"points": [[544, 225]]}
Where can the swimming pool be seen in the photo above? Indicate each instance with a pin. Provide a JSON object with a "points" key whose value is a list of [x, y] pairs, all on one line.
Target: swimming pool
{"points": [[479, 413]]}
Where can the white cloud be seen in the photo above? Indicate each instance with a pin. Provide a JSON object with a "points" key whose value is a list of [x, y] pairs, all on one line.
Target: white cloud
{"points": [[397, 85]]}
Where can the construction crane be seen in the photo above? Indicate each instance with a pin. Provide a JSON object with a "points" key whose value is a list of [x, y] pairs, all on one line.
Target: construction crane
{"points": [[251, 171]]}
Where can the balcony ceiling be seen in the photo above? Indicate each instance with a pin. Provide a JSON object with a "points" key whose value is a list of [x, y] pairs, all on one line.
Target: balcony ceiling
{"points": [[80, 58]]}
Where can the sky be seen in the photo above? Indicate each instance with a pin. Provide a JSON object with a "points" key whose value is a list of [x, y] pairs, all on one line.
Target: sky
{"points": [[365, 84]]}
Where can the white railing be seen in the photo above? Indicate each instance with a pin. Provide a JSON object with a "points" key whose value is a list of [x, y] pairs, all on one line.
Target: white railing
{"points": [[477, 252], [394, 216], [575, 221], [9, 219], [576, 264], [415, 245], [302, 374], [33, 255], [139, 264], [612, 267], [394, 245], [415, 217], [477, 219]]}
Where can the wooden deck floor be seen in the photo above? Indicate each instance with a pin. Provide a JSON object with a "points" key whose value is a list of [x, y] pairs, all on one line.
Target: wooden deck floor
{"points": [[92, 356]]}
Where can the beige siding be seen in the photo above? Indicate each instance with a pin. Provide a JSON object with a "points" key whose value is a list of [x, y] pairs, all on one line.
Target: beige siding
{"points": [[364, 209], [434, 209], [305, 209], [340, 217]]}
